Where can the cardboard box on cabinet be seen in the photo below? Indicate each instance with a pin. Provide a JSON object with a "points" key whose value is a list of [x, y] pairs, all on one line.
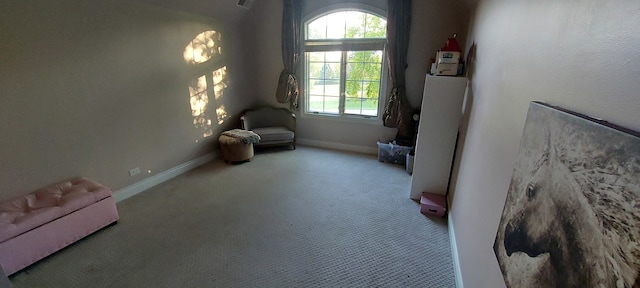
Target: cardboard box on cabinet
{"points": [[447, 69], [448, 57]]}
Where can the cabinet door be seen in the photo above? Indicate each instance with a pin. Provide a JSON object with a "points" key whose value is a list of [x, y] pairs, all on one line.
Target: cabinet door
{"points": [[437, 132]]}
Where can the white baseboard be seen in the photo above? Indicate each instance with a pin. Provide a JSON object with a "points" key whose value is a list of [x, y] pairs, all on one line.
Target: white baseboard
{"points": [[338, 146], [163, 176], [454, 252]]}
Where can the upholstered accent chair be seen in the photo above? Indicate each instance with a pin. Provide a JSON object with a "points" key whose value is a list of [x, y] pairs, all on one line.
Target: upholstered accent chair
{"points": [[276, 126]]}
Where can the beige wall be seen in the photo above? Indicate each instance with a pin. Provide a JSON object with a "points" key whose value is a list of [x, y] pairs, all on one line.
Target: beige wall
{"points": [[432, 22], [580, 55], [97, 88], [224, 10]]}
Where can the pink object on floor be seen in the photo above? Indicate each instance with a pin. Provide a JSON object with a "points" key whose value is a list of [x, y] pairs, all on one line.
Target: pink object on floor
{"points": [[433, 204], [36, 225]]}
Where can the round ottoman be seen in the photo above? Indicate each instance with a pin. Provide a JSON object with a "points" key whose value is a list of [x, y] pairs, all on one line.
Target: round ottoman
{"points": [[233, 150]]}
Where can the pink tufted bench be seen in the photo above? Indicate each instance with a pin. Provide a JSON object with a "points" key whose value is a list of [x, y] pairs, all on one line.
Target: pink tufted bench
{"points": [[36, 225]]}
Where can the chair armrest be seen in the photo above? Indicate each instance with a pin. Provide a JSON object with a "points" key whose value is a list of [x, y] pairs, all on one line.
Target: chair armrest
{"points": [[292, 123], [242, 124]]}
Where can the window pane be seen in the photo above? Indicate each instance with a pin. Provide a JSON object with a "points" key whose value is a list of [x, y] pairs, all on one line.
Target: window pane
{"points": [[323, 77], [331, 71], [361, 106], [333, 56], [377, 55], [331, 104], [336, 25], [365, 56], [362, 86], [323, 104], [324, 56], [353, 105], [355, 24], [316, 104], [317, 29], [359, 68], [375, 27], [353, 89], [372, 89], [332, 88], [324, 87], [316, 87], [323, 82], [347, 24], [315, 70], [315, 56], [370, 107], [320, 70], [371, 71], [355, 70]]}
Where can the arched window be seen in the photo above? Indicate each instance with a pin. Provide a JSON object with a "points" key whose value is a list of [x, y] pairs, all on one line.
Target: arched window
{"points": [[343, 63]]}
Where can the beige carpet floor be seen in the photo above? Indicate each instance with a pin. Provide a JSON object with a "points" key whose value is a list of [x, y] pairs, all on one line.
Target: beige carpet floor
{"points": [[290, 218]]}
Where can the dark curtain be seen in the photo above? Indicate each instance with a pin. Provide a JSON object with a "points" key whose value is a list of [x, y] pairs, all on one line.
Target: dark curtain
{"points": [[287, 91], [398, 112]]}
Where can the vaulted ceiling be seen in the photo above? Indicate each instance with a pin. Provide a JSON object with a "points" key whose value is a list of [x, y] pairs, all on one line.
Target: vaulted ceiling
{"points": [[227, 9]]}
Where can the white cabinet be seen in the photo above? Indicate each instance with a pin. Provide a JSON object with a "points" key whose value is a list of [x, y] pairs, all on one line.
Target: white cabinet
{"points": [[437, 133]]}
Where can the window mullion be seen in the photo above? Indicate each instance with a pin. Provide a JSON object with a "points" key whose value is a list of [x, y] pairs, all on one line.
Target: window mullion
{"points": [[343, 81]]}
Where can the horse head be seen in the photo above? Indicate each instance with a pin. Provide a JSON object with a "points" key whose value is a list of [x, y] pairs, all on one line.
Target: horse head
{"points": [[552, 219]]}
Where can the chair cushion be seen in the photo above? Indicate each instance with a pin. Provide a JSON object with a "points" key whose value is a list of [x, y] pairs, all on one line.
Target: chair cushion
{"points": [[274, 134]]}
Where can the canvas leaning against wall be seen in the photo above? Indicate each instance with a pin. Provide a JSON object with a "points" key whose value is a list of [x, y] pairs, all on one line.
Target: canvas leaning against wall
{"points": [[572, 213]]}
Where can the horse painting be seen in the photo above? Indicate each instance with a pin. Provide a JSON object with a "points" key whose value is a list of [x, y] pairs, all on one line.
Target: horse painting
{"points": [[572, 213]]}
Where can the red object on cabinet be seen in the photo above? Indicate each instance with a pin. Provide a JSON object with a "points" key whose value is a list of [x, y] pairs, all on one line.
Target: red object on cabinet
{"points": [[451, 45]]}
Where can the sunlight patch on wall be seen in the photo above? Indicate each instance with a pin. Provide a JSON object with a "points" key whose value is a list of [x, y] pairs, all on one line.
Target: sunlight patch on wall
{"points": [[220, 82], [207, 45], [199, 99], [221, 112], [207, 91]]}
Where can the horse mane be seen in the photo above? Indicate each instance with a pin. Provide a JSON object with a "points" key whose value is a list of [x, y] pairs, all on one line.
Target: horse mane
{"points": [[607, 184]]}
